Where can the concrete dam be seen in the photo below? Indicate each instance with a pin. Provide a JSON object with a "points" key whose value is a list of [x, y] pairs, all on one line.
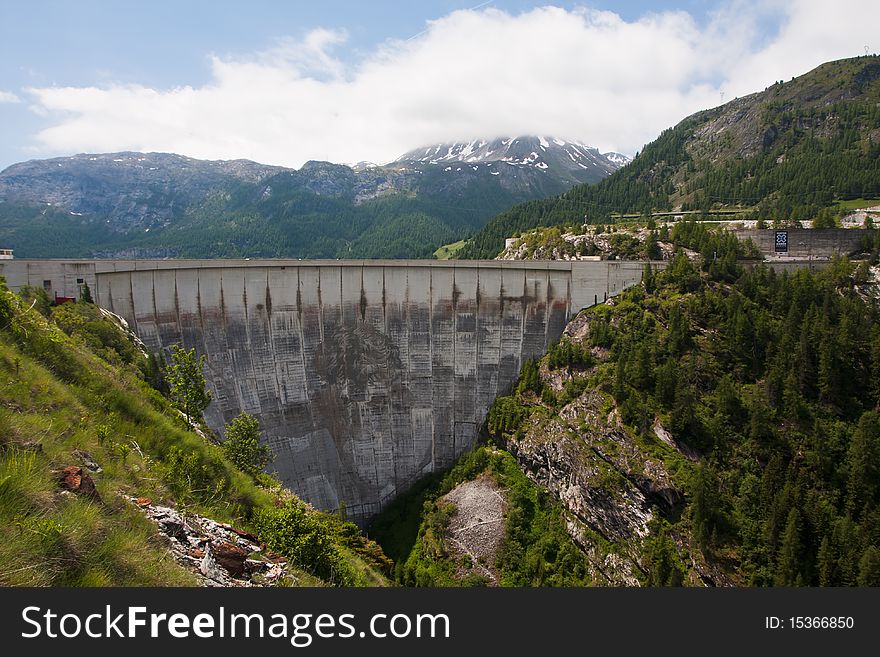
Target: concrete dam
{"points": [[365, 375]]}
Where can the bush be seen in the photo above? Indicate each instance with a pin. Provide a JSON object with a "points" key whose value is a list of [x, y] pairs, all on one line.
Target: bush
{"points": [[31, 294], [242, 445], [190, 478], [300, 534], [100, 333]]}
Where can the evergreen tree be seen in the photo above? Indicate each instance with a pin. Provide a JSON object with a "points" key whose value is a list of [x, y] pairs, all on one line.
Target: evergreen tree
{"points": [[863, 463], [530, 378], [652, 248], [648, 278], [789, 563], [86, 294], [619, 391], [705, 507], [663, 564], [869, 567], [827, 563]]}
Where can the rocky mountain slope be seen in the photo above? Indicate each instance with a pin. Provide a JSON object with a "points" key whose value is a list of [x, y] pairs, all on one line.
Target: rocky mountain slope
{"points": [[159, 205], [784, 153]]}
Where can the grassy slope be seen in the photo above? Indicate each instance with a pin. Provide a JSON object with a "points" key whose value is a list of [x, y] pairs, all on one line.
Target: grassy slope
{"points": [[448, 251], [56, 392]]}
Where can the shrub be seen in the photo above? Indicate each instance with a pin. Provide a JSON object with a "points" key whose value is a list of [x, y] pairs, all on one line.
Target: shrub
{"points": [[300, 534], [242, 445]]}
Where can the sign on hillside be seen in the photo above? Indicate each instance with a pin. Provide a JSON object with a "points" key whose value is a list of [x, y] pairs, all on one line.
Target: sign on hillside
{"points": [[781, 241]]}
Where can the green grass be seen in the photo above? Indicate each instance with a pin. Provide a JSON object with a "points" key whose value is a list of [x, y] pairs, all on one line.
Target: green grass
{"points": [[448, 251], [58, 396], [69, 541], [857, 203]]}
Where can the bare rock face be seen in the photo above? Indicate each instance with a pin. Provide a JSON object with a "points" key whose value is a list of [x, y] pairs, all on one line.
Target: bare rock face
{"points": [[607, 482]]}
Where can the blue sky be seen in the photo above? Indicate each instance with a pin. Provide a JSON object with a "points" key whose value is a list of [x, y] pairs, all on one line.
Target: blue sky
{"points": [[283, 82]]}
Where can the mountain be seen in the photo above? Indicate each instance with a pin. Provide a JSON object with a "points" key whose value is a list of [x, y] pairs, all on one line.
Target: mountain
{"points": [[128, 190], [784, 153], [161, 205], [566, 161]]}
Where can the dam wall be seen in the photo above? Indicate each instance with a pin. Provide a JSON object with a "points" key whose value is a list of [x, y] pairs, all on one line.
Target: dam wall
{"points": [[365, 375], [806, 243]]}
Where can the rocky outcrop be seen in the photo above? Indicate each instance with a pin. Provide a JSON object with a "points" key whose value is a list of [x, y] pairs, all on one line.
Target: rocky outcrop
{"points": [[606, 481], [217, 553], [586, 243], [600, 472]]}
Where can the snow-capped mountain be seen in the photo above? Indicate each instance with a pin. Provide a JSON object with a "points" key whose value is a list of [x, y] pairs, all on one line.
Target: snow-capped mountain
{"points": [[617, 158], [568, 160]]}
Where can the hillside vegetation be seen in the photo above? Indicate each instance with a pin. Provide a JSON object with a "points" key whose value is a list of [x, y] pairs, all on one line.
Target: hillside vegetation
{"points": [[74, 391], [713, 426], [534, 548], [784, 154]]}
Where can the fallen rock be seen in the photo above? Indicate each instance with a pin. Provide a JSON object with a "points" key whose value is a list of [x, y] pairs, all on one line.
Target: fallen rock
{"points": [[230, 556], [240, 532], [73, 479], [218, 553], [476, 528], [210, 569]]}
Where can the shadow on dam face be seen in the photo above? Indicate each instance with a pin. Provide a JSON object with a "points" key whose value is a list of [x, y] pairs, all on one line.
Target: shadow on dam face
{"points": [[365, 375]]}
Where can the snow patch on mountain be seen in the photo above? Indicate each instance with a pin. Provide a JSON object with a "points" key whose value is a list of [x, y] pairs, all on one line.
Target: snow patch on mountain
{"points": [[563, 157], [617, 158]]}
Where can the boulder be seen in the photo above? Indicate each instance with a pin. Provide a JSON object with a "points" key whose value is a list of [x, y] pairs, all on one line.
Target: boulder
{"points": [[230, 556], [74, 480]]}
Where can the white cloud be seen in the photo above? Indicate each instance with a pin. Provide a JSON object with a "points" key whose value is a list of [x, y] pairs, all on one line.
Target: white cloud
{"points": [[8, 97], [579, 74]]}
